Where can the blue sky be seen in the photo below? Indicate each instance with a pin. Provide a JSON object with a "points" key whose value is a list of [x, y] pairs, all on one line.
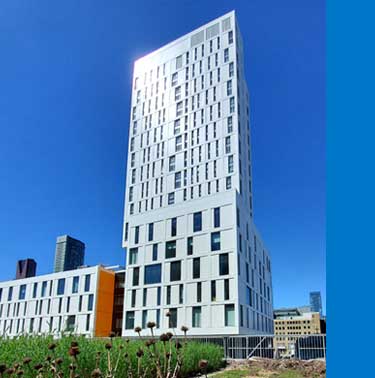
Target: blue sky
{"points": [[65, 74]]}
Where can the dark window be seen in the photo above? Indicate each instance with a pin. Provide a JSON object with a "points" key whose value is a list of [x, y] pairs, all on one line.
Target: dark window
{"points": [[152, 274], [22, 292], [174, 226], [87, 282], [190, 245], [229, 315], [217, 217], [170, 249], [35, 289], [154, 252], [175, 274], [90, 303], [215, 241], [136, 276], [197, 226], [80, 303], [70, 323], [150, 232], [129, 320], [10, 293], [196, 267], [213, 291], [136, 235], [144, 299], [196, 318], [168, 295], [75, 284], [223, 264], [133, 255], [87, 322], [60, 286], [172, 318], [44, 288], [158, 299], [199, 291], [226, 289], [134, 297], [249, 299], [181, 294]]}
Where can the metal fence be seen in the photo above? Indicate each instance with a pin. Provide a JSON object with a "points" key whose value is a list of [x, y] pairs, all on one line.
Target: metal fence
{"points": [[303, 347]]}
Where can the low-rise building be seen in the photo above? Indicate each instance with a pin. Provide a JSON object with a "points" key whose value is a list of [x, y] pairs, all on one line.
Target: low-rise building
{"points": [[79, 301], [290, 324]]}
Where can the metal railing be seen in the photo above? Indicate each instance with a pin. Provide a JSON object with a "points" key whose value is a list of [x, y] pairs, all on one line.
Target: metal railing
{"points": [[303, 347]]}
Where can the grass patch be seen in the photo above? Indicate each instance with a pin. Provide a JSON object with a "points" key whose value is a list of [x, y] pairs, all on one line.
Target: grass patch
{"points": [[288, 374], [241, 373]]}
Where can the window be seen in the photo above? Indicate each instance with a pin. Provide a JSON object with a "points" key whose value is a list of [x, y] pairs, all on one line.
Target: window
{"points": [[70, 323], [230, 124], [178, 143], [144, 318], [175, 274], [174, 79], [223, 264], [215, 241], [136, 276], [133, 255], [170, 249], [150, 232], [179, 108], [226, 55], [249, 300], [231, 69], [190, 245], [152, 274], [217, 217], [87, 282], [129, 320], [172, 323], [229, 88], [230, 164], [75, 284], [231, 105], [172, 163], [134, 298], [197, 315], [154, 252], [61, 286], [168, 299], [87, 322], [177, 180], [199, 291], [230, 37], [227, 145], [213, 291], [35, 289], [90, 303], [197, 226], [22, 292], [226, 289], [228, 183], [229, 315], [196, 267], [136, 235], [177, 93], [44, 289], [176, 129]]}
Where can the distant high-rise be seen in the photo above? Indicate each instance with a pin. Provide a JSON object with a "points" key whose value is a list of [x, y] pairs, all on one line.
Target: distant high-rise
{"points": [[70, 253], [316, 302], [25, 268]]}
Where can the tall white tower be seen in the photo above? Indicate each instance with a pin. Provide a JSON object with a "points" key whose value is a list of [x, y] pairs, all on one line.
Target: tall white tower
{"points": [[192, 247]]}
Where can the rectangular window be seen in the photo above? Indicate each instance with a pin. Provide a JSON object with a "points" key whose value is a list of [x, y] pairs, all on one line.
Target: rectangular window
{"points": [[136, 235], [213, 291], [170, 249], [136, 276], [22, 292], [87, 282], [224, 264], [133, 255], [144, 318], [199, 291], [196, 267], [144, 298], [215, 241], [61, 286], [175, 273], [35, 289], [231, 69], [173, 226], [158, 298], [75, 284], [217, 217], [172, 163], [227, 145], [152, 274], [44, 288], [229, 88], [177, 180], [154, 252], [168, 299], [174, 79], [229, 315], [197, 226], [228, 183], [178, 143], [181, 294], [230, 164], [90, 303], [190, 245], [150, 231], [87, 322], [70, 323], [231, 105], [129, 320], [197, 315], [170, 198], [226, 289], [172, 323], [230, 37]]}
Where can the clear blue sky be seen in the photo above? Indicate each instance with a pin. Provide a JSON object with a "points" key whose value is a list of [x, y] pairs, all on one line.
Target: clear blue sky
{"points": [[65, 74]]}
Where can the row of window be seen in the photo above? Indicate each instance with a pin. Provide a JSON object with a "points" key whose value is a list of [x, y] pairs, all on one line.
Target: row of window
{"points": [[14, 309], [229, 317], [39, 325]]}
